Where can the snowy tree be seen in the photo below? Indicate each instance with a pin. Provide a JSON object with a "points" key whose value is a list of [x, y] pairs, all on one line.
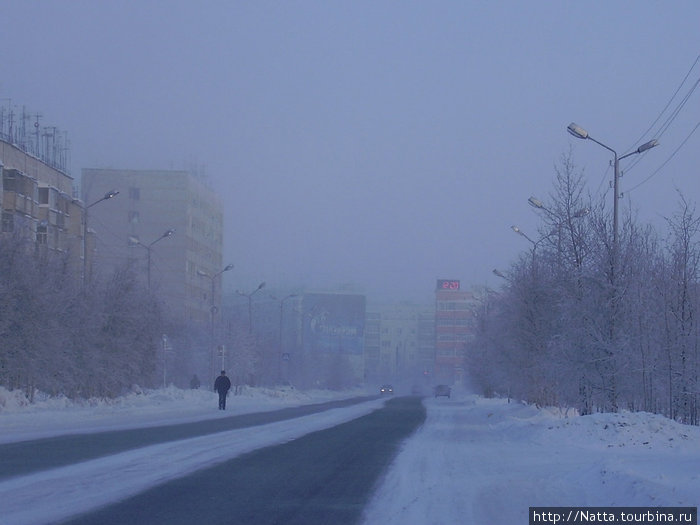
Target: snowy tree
{"points": [[582, 322], [61, 337]]}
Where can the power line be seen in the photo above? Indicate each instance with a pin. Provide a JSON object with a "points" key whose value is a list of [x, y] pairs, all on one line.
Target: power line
{"points": [[666, 125], [640, 139], [662, 130]]}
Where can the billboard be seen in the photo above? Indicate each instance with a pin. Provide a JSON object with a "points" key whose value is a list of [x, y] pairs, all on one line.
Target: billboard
{"points": [[448, 284], [333, 323]]}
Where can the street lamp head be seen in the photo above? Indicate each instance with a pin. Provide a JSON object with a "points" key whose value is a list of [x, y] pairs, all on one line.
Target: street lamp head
{"points": [[536, 203], [168, 233], [577, 131], [516, 229], [261, 285], [202, 273], [498, 273], [648, 145], [228, 267]]}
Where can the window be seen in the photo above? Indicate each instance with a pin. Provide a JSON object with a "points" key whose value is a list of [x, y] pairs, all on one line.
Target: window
{"points": [[43, 195], [8, 222], [9, 181], [42, 234]]}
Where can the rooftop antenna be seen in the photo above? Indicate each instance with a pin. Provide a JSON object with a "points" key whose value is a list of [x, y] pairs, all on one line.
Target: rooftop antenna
{"points": [[22, 139], [10, 122], [37, 140], [2, 116]]}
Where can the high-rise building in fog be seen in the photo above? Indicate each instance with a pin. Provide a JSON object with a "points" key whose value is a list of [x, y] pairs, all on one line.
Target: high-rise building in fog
{"points": [[454, 322], [400, 345], [166, 224]]}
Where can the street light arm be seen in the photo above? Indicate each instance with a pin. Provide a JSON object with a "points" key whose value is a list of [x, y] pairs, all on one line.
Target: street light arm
{"points": [[249, 295], [166, 234], [536, 203], [641, 149], [107, 196], [520, 232], [601, 144], [580, 133]]}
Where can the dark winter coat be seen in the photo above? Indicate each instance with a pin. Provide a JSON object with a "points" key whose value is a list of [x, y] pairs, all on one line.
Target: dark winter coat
{"points": [[222, 384]]}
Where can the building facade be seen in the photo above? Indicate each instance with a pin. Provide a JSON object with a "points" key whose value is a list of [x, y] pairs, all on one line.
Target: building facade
{"points": [[454, 327], [168, 226], [37, 204], [400, 345]]}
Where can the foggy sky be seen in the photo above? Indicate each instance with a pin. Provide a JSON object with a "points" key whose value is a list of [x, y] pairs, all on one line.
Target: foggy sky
{"points": [[378, 144]]}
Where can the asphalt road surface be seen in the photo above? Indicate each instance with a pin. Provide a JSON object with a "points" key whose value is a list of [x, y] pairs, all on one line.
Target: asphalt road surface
{"points": [[30, 456], [325, 477]]}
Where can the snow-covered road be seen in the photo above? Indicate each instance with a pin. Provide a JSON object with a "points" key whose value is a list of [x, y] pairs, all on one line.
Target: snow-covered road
{"points": [[475, 460], [56, 494]]}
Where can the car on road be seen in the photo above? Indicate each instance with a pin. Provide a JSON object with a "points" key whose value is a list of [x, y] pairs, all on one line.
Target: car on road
{"points": [[443, 390], [386, 389]]}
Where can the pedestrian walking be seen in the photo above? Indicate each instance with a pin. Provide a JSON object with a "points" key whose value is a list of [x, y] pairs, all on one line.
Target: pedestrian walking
{"points": [[222, 385]]}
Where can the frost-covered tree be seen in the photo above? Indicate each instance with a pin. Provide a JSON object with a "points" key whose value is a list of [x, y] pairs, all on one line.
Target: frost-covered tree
{"points": [[60, 337], [580, 322], [681, 323]]}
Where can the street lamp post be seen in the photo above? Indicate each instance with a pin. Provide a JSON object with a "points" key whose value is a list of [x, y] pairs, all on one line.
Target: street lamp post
{"points": [[580, 133], [250, 304], [279, 361], [212, 312], [136, 242], [535, 244], [107, 196]]}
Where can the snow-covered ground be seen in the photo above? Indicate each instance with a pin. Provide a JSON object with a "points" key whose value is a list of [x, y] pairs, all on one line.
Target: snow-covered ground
{"points": [[478, 461], [486, 461]]}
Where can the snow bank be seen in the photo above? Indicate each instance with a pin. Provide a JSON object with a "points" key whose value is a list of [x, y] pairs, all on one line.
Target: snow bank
{"points": [[46, 416], [486, 461]]}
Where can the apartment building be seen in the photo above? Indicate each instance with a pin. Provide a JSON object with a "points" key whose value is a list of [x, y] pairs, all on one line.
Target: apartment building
{"points": [[167, 225], [37, 204]]}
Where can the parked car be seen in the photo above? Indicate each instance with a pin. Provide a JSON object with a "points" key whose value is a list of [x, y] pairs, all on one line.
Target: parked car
{"points": [[443, 390], [386, 389]]}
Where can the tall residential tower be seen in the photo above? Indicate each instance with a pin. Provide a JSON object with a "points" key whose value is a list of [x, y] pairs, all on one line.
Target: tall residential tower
{"points": [[166, 224]]}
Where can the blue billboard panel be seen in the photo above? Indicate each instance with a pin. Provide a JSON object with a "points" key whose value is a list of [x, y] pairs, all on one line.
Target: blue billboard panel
{"points": [[333, 323]]}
